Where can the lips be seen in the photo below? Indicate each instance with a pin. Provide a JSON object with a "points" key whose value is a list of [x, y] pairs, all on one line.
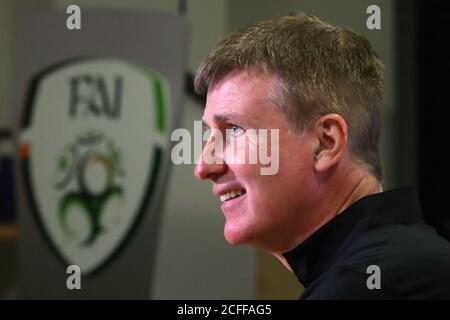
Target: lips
{"points": [[229, 206], [232, 194]]}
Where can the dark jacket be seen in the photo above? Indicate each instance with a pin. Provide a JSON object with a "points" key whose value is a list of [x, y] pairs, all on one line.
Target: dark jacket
{"points": [[378, 248]]}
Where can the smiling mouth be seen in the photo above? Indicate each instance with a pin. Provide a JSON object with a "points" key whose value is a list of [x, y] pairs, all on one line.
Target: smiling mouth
{"points": [[232, 195]]}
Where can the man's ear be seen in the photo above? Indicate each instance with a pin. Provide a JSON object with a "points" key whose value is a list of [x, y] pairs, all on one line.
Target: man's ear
{"points": [[331, 137]]}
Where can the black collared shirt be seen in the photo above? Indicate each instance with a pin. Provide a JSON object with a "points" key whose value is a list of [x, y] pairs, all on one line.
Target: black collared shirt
{"points": [[378, 248]]}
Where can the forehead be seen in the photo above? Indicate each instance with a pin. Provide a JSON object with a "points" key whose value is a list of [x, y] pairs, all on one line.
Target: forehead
{"points": [[240, 94]]}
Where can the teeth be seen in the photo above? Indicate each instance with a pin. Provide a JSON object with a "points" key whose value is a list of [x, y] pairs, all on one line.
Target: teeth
{"points": [[231, 194]]}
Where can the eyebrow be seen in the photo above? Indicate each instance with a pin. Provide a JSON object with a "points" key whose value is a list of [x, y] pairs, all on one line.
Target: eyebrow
{"points": [[222, 117]]}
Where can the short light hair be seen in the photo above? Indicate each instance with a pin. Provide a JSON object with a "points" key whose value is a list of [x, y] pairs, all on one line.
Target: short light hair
{"points": [[320, 69]]}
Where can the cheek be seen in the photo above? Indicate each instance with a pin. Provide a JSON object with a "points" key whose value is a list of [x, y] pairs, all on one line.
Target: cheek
{"points": [[241, 150], [296, 158], [246, 174], [295, 178], [256, 147], [268, 195]]}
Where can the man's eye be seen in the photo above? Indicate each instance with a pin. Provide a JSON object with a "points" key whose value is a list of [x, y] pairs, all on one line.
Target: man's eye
{"points": [[236, 130]]}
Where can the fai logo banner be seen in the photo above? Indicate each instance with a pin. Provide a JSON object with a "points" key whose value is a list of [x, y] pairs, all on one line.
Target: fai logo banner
{"points": [[93, 146]]}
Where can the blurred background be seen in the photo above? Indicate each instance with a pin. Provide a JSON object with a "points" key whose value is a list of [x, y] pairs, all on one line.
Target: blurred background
{"points": [[191, 259]]}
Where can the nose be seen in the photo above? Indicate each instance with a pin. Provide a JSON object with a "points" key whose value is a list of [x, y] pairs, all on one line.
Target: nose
{"points": [[205, 171], [210, 164]]}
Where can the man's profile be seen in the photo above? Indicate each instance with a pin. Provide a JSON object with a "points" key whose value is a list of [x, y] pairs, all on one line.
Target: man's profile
{"points": [[323, 214]]}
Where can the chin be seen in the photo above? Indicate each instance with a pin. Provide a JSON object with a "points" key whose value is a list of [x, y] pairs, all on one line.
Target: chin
{"points": [[233, 235]]}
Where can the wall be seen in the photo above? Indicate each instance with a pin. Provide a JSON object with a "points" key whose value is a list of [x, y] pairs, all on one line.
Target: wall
{"points": [[193, 260]]}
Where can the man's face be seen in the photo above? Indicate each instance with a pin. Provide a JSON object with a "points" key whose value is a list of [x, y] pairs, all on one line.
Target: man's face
{"points": [[271, 210]]}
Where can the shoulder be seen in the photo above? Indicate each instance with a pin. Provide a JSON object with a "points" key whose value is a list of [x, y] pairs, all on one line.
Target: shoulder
{"points": [[412, 260], [348, 283], [418, 264], [395, 262]]}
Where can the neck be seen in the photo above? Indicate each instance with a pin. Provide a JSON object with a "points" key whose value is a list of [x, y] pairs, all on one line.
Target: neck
{"points": [[362, 184]]}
